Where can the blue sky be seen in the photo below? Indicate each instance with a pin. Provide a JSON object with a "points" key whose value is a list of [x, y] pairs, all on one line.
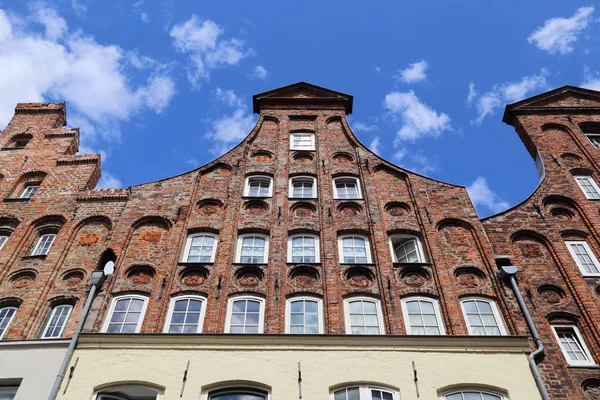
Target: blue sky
{"points": [[159, 87]]}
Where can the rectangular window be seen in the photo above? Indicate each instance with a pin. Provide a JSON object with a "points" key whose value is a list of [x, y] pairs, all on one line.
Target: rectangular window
{"points": [[354, 250], [28, 191], [572, 345], [346, 188], [595, 139], [422, 316], [303, 249], [3, 239], [302, 141], [588, 186], [482, 317], [200, 248], [304, 316], [186, 315], [57, 321], [253, 249], [6, 316], [245, 315], [303, 187], [8, 392], [258, 186], [584, 257], [363, 317], [126, 315], [43, 244], [406, 249]]}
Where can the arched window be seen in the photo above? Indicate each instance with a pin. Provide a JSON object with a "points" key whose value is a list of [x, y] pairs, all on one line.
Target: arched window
{"points": [[304, 315], [200, 248], [354, 249], [422, 316], [241, 393], [6, 316], [43, 244], [126, 314], [127, 392], [472, 395], [245, 314], [55, 325], [29, 191], [483, 317], [346, 187], [3, 239], [364, 392], [303, 248], [258, 186], [302, 141], [303, 187], [363, 316], [19, 141], [252, 248], [186, 315], [406, 249]]}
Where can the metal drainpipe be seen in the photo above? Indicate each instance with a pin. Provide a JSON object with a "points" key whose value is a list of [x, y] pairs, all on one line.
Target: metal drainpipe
{"points": [[96, 281], [509, 273]]}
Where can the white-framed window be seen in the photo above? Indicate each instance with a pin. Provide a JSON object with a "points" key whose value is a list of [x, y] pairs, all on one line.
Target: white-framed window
{"points": [[346, 187], [594, 138], [363, 316], [258, 186], [406, 249], [483, 317], [422, 316], [8, 392], [127, 392], [186, 314], [126, 314], [43, 244], [354, 249], [28, 191], [475, 394], [584, 257], [303, 187], [588, 186], [57, 321], [572, 345], [364, 392], [302, 141], [245, 314], [3, 239], [6, 316], [244, 393], [303, 248], [252, 248], [200, 248], [304, 315]]}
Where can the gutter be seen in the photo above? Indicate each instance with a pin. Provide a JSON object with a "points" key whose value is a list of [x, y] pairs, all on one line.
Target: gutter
{"points": [[508, 273]]}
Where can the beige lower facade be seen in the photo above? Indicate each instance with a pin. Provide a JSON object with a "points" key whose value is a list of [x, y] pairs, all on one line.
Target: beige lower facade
{"points": [[326, 363]]}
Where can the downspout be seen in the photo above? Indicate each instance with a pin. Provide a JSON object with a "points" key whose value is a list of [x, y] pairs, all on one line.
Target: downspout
{"points": [[508, 273], [96, 281]]}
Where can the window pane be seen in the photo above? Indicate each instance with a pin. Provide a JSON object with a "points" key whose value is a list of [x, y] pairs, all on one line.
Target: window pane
{"points": [[237, 396]]}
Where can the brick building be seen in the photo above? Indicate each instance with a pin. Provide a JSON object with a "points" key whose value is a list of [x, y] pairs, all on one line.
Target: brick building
{"points": [[269, 256]]}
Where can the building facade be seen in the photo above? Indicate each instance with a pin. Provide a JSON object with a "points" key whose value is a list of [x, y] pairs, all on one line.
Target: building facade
{"points": [[302, 265]]}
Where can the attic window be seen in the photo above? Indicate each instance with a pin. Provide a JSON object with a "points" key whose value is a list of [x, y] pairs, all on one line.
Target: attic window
{"points": [[592, 131], [302, 141], [19, 141]]}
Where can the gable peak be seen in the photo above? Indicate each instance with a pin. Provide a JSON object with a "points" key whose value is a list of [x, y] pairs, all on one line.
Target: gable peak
{"points": [[302, 94]]}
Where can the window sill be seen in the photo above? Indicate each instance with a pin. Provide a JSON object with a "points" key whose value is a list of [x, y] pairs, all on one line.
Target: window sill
{"points": [[251, 264], [302, 198], [35, 257], [591, 366], [289, 263], [359, 199], [256, 197], [11, 148], [365, 263], [302, 149], [195, 264], [17, 199], [412, 264]]}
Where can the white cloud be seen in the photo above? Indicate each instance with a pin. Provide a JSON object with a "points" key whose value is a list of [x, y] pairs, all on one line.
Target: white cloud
{"points": [[414, 73], [400, 154], [416, 162], [362, 127], [472, 94], [200, 40], [259, 72], [137, 8], [591, 80], [108, 181], [231, 128], [508, 92], [375, 145], [92, 78], [79, 7], [482, 195], [377, 69], [418, 120], [558, 34]]}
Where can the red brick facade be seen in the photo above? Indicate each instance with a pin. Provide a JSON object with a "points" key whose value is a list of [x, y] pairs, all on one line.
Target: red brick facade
{"points": [[146, 227]]}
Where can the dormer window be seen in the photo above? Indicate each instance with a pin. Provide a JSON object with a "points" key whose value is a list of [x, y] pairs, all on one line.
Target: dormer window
{"points": [[302, 141], [28, 191], [258, 186]]}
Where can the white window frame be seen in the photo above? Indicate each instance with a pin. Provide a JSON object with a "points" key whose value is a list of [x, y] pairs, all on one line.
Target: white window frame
{"points": [[305, 178], [29, 190], [347, 178], [261, 316], [256, 176], [364, 391], [495, 311], [238, 248], [113, 304], [312, 141], [288, 312], [347, 321], [167, 325], [476, 390], [581, 343], [592, 137], [233, 389], [590, 180], [436, 310], [15, 309], [3, 242], [317, 247], [419, 246], [52, 313], [38, 248], [188, 245], [341, 248], [98, 395], [590, 253]]}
